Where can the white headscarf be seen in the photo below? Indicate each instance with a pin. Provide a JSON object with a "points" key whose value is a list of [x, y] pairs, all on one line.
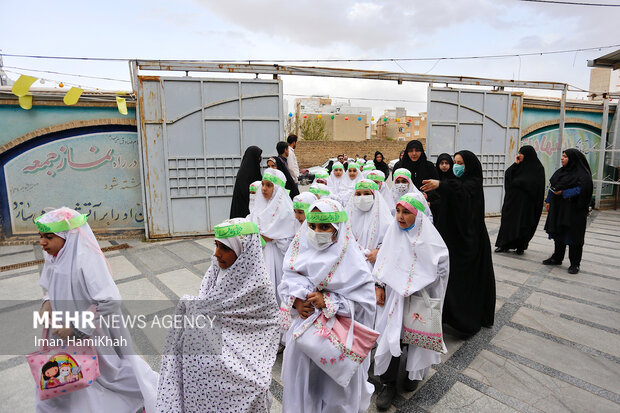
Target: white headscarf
{"points": [[275, 216], [348, 185], [384, 190], [75, 279], [242, 300], [333, 182], [253, 196], [408, 261], [321, 174], [369, 226], [320, 190], [402, 173], [339, 268], [305, 198]]}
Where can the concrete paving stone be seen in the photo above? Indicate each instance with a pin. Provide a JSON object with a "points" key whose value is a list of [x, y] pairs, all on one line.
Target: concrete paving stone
{"points": [[579, 291], [17, 258], [188, 251], [575, 309], [537, 390], [22, 287], [181, 282], [569, 330], [142, 297], [462, 399], [508, 274], [203, 266], [510, 261], [207, 243], [155, 259], [596, 370], [276, 406], [276, 371], [122, 268], [582, 277], [12, 249], [18, 391], [504, 290], [23, 270]]}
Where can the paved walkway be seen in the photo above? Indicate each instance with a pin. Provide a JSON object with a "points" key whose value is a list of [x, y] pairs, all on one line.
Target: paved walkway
{"points": [[555, 345]]}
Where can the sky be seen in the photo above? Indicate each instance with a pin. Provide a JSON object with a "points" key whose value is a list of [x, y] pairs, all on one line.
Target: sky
{"points": [[301, 29]]}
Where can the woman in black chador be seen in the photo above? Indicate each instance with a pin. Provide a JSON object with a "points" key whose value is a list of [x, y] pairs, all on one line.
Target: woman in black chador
{"points": [[444, 166], [470, 297], [249, 171], [421, 169], [523, 202], [568, 202]]}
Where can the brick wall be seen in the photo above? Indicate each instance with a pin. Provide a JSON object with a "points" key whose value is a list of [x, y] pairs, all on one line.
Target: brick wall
{"points": [[312, 153]]}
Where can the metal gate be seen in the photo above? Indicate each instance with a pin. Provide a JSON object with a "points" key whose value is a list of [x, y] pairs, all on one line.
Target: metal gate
{"points": [[193, 133], [487, 123]]}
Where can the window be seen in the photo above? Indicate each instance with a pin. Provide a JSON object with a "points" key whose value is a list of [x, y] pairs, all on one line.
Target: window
{"points": [[408, 134], [401, 139], [416, 133], [401, 130], [417, 122]]}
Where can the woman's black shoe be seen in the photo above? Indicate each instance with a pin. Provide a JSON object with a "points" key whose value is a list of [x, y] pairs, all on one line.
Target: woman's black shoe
{"points": [[385, 398], [501, 249], [551, 261], [410, 385], [519, 251], [573, 269]]}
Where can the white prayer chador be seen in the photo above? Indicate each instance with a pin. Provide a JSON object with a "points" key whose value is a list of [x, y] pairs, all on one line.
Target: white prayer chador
{"points": [[384, 190], [340, 272], [370, 226], [255, 184], [242, 301], [334, 182], [348, 186], [305, 198], [397, 193], [415, 258], [76, 278], [276, 220]]}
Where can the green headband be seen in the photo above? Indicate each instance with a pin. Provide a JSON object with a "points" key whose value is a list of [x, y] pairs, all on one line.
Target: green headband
{"points": [[370, 167], [326, 217], [367, 185], [253, 187], [235, 230], [274, 179], [321, 175], [337, 167], [375, 177], [61, 226], [402, 173], [301, 205], [318, 191], [353, 165], [413, 202]]}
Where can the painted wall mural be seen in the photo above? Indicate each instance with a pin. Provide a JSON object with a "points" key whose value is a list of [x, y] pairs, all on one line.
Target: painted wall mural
{"points": [[94, 173]]}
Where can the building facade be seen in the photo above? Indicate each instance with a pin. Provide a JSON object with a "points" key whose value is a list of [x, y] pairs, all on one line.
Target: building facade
{"points": [[342, 122]]}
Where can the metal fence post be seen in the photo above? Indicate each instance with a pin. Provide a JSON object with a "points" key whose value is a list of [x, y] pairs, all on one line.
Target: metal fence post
{"points": [[601, 154], [561, 127]]}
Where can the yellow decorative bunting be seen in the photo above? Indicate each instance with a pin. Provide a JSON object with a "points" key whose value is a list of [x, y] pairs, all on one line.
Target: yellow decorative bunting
{"points": [[72, 96], [25, 102], [20, 88], [122, 105]]}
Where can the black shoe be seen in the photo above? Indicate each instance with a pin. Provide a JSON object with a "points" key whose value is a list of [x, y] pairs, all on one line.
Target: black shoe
{"points": [[501, 249], [573, 269], [519, 251], [410, 385], [384, 399], [552, 261]]}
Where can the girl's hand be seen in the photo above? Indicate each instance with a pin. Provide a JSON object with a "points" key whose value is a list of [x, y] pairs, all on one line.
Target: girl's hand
{"points": [[304, 308], [267, 239], [547, 206], [380, 293], [63, 332], [558, 192], [429, 185], [316, 299], [372, 256], [46, 307]]}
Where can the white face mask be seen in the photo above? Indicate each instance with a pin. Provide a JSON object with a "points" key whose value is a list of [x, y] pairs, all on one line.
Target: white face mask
{"points": [[364, 202], [319, 240], [401, 188]]}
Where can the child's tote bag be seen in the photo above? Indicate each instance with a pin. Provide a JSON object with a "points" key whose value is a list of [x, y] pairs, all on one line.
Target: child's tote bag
{"points": [[64, 369], [338, 345], [422, 322]]}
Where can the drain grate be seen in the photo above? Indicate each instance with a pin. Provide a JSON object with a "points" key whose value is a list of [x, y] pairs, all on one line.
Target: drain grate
{"points": [[37, 262]]}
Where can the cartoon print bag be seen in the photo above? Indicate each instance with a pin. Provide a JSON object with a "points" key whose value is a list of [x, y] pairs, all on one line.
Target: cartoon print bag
{"points": [[62, 370], [422, 322], [337, 345]]}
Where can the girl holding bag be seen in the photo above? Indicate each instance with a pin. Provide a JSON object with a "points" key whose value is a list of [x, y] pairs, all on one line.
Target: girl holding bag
{"points": [[325, 273], [413, 262]]}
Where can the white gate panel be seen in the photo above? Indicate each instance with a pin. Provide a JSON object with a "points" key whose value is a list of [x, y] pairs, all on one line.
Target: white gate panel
{"points": [[487, 123], [193, 135]]}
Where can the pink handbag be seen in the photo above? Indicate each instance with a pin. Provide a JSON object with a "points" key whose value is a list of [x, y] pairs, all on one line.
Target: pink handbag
{"points": [[64, 369], [338, 345]]}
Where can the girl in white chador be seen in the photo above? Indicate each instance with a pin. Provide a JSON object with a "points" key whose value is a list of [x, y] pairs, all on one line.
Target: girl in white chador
{"points": [[320, 190], [336, 179], [404, 185], [324, 272], [379, 177], [367, 167], [413, 257], [76, 276], [273, 213], [321, 176], [352, 176], [254, 189], [370, 218], [237, 293], [301, 203]]}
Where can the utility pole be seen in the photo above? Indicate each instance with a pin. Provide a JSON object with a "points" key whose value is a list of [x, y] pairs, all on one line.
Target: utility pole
{"points": [[4, 80]]}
